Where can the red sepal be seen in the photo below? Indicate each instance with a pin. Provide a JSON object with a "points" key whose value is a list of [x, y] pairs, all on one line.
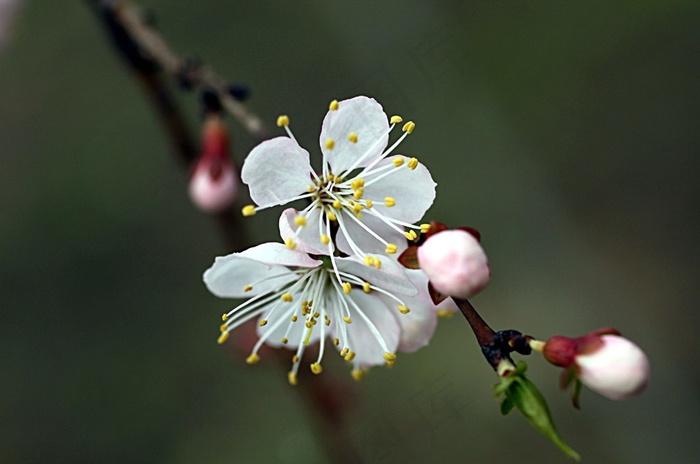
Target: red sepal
{"points": [[409, 258], [436, 296], [471, 231]]}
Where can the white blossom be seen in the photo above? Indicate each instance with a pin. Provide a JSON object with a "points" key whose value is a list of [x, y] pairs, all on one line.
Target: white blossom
{"points": [[370, 197], [366, 313]]}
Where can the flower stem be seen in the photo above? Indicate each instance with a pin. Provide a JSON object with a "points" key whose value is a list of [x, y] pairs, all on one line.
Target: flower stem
{"points": [[484, 334], [495, 346]]}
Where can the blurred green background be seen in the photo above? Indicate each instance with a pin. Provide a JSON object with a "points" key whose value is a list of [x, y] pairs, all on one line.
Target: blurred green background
{"points": [[567, 132]]}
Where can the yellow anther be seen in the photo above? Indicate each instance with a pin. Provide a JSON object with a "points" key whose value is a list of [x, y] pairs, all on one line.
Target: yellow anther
{"points": [[336, 341], [357, 183], [247, 288], [287, 297], [409, 126], [223, 337], [412, 163], [389, 357], [317, 314], [369, 204], [398, 161], [347, 319], [358, 194], [248, 210], [310, 188], [346, 288], [395, 119], [295, 358], [410, 234], [444, 313], [325, 239], [300, 220], [344, 351], [357, 207], [316, 368], [294, 318], [263, 323], [333, 106], [224, 317], [404, 309], [350, 356], [424, 228], [223, 327], [366, 287], [389, 202], [358, 216], [357, 374], [308, 324], [390, 248], [331, 216], [292, 378], [252, 359], [285, 340], [329, 144], [282, 120], [377, 263], [337, 204], [352, 137], [328, 322], [290, 243], [369, 261]]}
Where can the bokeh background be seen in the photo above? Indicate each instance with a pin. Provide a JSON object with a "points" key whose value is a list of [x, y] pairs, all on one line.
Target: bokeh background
{"points": [[567, 132]]}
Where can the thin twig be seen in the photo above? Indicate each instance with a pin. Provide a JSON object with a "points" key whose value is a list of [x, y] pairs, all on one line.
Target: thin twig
{"points": [[152, 47]]}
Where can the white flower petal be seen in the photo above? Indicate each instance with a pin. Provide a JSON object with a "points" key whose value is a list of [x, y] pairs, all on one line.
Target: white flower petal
{"points": [[413, 190], [229, 275], [364, 240], [390, 277], [276, 171], [308, 239], [361, 339], [277, 254], [418, 326], [365, 118]]}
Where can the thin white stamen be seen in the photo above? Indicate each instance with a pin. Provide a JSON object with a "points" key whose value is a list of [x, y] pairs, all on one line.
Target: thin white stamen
{"points": [[372, 327], [355, 249], [359, 160], [383, 175], [369, 231]]}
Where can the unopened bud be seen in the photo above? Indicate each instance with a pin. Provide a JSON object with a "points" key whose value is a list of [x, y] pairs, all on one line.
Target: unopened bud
{"points": [[618, 369], [603, 361], [214, 180], [455, 263]]}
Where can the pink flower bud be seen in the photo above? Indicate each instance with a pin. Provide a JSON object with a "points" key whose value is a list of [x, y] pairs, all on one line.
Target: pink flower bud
{"points": [[455, 263], [617, 369], [214, 181]]}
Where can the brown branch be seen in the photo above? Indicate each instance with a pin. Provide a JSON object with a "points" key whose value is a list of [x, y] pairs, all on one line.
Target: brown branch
{"points": [[148, 46]]}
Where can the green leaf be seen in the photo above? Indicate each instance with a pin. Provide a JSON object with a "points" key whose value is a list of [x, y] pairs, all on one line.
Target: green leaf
{"points": [[524, 395], [507, 405], [576, 394]]}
